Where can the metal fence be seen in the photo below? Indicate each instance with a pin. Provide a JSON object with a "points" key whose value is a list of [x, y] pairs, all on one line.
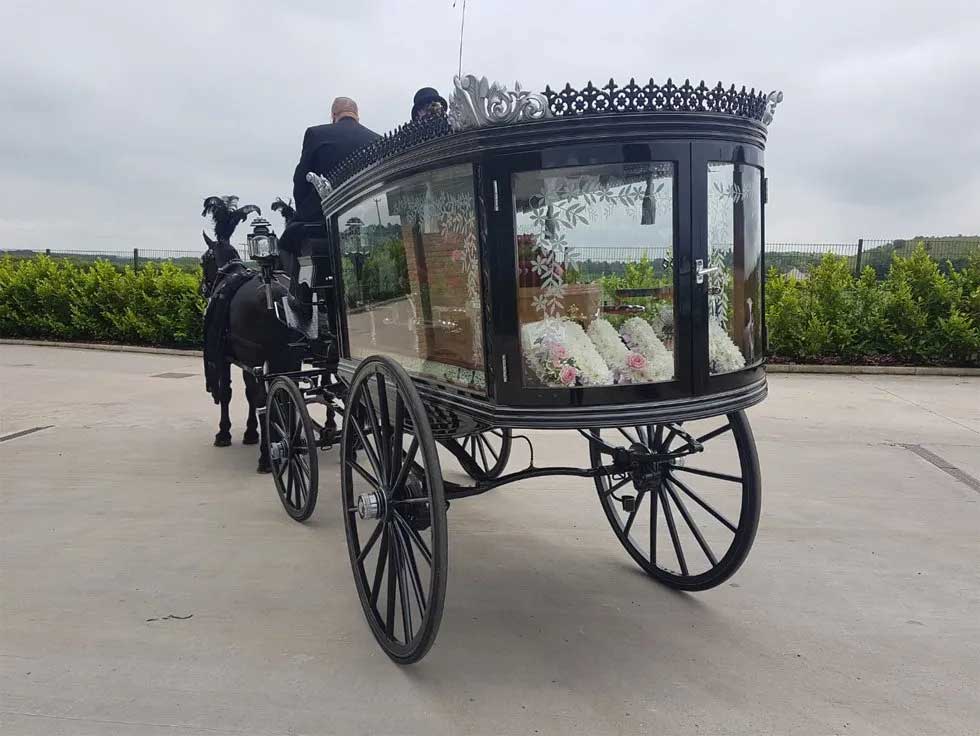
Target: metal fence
{"points": [[796, 258]]}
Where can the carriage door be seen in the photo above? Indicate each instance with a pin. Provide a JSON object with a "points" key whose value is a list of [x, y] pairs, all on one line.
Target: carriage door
{"points": [[727, 280], [589, 255]]}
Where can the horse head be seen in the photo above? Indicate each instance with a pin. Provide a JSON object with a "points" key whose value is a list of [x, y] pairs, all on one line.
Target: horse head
{"points": [[209, 266]]}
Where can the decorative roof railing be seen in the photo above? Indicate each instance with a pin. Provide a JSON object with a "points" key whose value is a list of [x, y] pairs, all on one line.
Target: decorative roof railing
{"points": [[476, 104]]}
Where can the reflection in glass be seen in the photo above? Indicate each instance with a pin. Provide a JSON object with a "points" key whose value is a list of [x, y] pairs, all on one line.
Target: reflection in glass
{"points": [[595, 274], [411, 276], [735, 249]]}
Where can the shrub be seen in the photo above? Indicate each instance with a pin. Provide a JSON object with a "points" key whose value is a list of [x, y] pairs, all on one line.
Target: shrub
{"points": [[59, 299], [919, 313]]}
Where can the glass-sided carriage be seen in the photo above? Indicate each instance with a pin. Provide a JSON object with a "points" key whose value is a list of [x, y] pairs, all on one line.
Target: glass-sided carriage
{"points": [[582, 260]]}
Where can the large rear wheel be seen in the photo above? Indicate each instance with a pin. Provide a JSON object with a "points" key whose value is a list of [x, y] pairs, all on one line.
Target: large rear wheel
{"points": [[394, 509], [688, 521]]}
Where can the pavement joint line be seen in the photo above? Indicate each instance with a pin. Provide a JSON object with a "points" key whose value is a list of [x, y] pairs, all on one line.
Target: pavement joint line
{"points": [[944, 465], [916, 404], [21, 433]]}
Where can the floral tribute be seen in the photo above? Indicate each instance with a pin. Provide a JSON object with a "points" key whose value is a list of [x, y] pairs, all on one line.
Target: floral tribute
{"points": [[627, 366], [723, 355], [559, 353], [640, 338]]}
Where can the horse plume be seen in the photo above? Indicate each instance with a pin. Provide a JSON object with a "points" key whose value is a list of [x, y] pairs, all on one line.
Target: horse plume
{"points": [[285, 209], [226, 214]]}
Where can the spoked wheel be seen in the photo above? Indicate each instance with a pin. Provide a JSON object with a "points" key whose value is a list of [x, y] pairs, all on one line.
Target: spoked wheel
{"points": [[483, 455], [394, 509], [689, 521], [292, 448]]}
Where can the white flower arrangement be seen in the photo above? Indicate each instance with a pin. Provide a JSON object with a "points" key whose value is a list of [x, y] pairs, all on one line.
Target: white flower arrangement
{"points": [[559, 353], [627, 366], [723, 355], [640, 338]]}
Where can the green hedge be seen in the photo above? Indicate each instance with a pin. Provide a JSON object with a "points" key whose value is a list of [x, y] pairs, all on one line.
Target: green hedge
{"points": [[918, 314], [61, 300]]}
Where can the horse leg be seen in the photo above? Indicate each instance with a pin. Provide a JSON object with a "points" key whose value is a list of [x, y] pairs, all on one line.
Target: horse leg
{"points": [[223, 438], [251, 436], [261, 395]]}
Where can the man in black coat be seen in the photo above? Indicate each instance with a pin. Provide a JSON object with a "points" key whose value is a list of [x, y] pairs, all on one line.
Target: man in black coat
{"points": [[325, 146]]}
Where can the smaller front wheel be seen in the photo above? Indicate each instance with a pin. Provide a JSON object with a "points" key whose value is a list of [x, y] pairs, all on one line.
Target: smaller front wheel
{"points": [[483, 455], [292, 448]]}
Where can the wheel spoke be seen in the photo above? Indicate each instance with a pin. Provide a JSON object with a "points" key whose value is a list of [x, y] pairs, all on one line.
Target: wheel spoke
{"points": [[622, 431], [398, 435], [665, 447], [496, 457], [620, 484], [680, 484], [414, 536], [414, 577], [658, 437], [390, 610], [289, 482], [407, 463], [714, 433], [364, 474], [385, 422], [479, 443], [633, 513], [705, 547], [669, 517], [379, 569], [653, 528], [369, 451], [708, 473], [376, 432], [406, 604], [371, 540]]}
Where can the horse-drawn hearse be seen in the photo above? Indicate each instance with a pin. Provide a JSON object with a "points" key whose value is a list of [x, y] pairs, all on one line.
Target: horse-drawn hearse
{"points": [[478, 276]]}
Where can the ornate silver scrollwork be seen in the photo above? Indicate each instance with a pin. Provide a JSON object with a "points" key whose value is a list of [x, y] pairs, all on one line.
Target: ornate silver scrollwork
{"points": [[476, 104], [321, 185], [772, 99]]}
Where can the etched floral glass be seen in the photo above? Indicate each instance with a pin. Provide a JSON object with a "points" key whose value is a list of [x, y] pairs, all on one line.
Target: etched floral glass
{"points": [[412, 279], [734, 289], [595, 248]]}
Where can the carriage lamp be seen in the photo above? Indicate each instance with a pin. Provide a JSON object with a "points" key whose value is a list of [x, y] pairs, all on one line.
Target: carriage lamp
{"points": [[262, 242], [262, 247]]}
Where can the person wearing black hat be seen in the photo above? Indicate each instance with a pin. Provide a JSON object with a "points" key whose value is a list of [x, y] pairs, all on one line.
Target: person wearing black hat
{"points": [[427, 103]]}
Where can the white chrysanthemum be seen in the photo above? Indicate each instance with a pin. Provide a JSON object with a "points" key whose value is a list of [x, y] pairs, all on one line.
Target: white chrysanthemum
{"points": [[723, 355], [559, 353], [640, 337]]}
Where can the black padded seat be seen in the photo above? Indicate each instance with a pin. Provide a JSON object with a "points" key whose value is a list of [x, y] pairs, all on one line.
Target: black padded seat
{"points": [[305, 257]]}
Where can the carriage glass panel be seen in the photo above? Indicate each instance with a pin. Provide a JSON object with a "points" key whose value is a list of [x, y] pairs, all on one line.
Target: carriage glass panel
{"points": [[595, 255], [734, 289], [411, 277]]}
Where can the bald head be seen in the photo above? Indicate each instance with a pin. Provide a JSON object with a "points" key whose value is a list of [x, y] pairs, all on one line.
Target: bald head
{"points": [[343, 107]]}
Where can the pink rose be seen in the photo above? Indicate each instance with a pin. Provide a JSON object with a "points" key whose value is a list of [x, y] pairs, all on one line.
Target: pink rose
{"points": [[457, 256], [559, 353], [636, 361], [567, 375]]}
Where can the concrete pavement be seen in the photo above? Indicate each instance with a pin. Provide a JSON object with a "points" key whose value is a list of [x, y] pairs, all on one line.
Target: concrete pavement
{"points": [[151, 583]]}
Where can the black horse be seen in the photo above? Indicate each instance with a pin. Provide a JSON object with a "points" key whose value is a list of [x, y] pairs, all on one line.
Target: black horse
{"points": [[255, 337]]}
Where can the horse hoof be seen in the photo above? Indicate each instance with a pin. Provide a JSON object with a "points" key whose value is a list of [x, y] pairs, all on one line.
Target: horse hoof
{"points": [[250, 439], [222, 440], [264, 468]]}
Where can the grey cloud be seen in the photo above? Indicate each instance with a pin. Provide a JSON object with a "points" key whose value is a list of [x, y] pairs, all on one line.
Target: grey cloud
{"points": [[119, 118]]}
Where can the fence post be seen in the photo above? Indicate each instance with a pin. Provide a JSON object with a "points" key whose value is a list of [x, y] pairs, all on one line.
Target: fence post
{"points": [[857, 263], [136, 259], [47, 251]]}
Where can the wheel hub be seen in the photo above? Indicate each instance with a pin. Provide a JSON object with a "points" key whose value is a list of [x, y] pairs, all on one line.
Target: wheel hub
{"points": [[279, 450], [371, 505]]}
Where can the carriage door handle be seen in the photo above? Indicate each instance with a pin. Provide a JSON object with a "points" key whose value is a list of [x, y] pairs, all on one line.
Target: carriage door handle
{"points": [[700, 270]]}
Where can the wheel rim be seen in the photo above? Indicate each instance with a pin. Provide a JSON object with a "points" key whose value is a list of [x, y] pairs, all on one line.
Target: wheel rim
{"points": [[690, 525], [394, 513], [291, 450]]}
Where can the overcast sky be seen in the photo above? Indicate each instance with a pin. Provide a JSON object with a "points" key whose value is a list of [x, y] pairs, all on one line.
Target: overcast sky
{"points": [[119, 118]]}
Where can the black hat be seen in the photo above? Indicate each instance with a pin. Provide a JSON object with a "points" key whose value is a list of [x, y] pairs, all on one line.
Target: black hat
{"points": [[425, 97]]}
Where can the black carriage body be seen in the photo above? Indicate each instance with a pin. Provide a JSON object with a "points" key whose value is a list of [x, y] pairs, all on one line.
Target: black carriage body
{"points": [[688, 144]]}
